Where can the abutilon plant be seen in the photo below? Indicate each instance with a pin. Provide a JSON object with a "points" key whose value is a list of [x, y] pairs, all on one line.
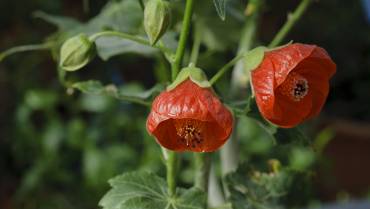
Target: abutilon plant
{"points": [[289, 85]]}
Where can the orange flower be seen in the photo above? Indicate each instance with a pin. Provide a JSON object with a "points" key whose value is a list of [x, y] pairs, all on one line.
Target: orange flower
{"points": [[292, 83], [189, 118]]}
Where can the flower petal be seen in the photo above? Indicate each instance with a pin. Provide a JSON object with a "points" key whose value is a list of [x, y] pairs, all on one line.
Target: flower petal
{"points": [[286, 59], [288, 113]]}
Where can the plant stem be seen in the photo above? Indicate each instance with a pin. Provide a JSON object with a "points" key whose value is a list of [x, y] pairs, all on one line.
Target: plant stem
{"points": [[183, 38], [202, 166], [292, 19], [139, 40], [171, 172], [24, 48], [225, 68]]}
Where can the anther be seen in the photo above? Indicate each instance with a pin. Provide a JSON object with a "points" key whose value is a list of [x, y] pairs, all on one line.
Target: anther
{"points": [[189, 131], [295, 87]]}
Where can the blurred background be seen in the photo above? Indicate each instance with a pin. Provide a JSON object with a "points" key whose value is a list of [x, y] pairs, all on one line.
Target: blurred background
{"points": [[58, 150]]}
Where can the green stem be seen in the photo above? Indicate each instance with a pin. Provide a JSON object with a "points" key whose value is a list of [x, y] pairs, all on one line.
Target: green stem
{"points": [[136, 101], [292, 19], [17, 49], [171, 172], [183, 38], [136, 39], [202, 166], [226, 68]]}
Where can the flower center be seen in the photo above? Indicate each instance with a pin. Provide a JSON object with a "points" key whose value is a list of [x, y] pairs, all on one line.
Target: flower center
{"points": [[190, 131], [295, 87]]}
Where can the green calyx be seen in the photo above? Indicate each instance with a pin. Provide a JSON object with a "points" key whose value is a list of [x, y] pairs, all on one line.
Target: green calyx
{"points": [[157, 18], [76, 52], [194, 74], [254, 57]]}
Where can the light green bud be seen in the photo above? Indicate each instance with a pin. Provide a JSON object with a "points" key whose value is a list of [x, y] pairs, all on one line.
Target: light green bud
{"points": [[157, 18], [76, 52]]}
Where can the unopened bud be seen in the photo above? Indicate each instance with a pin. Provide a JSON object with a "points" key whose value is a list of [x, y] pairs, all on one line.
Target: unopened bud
{"points": [[157, 17], [76, 52]]}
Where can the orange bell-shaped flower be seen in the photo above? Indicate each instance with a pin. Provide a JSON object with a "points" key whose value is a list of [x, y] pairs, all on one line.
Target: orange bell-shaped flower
{"points": [[189, 118], [291, 83]]}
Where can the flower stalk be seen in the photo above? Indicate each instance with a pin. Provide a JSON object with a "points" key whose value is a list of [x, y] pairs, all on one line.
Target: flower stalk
{"points": [[176, 64], [25, 48], [226, 68], [171, 172], [202, 166]]}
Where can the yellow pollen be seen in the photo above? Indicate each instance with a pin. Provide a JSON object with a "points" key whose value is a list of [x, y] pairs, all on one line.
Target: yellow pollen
{"points": [[295, 87], [190, 131]]}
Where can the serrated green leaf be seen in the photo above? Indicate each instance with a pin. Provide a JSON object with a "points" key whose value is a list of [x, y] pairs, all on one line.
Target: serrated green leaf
{"points": [[220, 6], [134, 185], [253, 189], [143, 190]]}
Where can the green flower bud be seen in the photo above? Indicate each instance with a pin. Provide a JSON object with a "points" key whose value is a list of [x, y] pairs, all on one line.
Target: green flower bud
{"points": [[76, 52], [157, 16]]}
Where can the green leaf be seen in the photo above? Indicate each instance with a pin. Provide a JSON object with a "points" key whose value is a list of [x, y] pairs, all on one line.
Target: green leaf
{"points": [[213, 32], [108, 47], [220, 8], [143, 190], [125, 16], [254, 189], [97, 88]]}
